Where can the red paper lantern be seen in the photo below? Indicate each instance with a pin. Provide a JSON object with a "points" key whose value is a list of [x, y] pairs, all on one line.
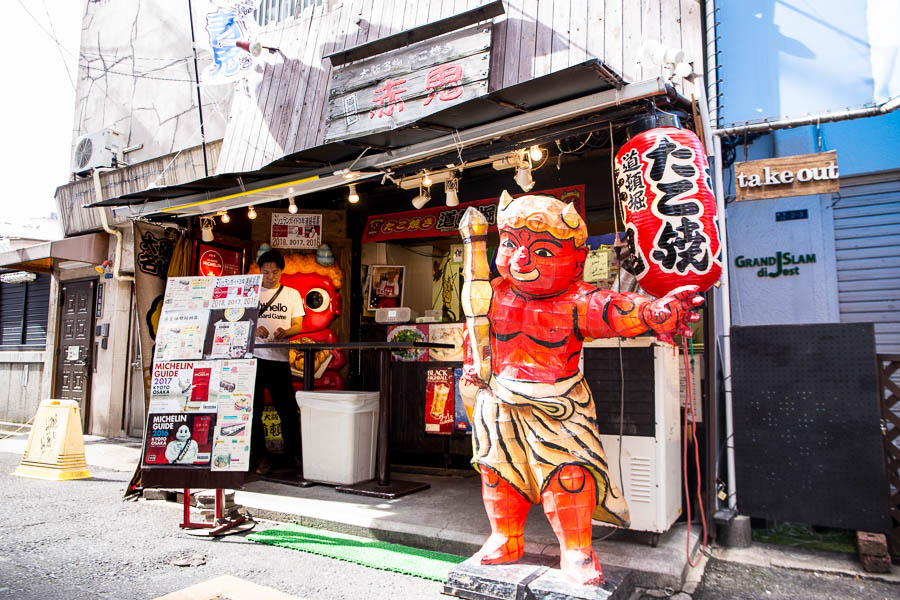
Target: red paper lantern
{"points": [[669, 210]]}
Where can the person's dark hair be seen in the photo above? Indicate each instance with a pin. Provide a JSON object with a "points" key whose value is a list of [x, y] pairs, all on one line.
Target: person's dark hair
{"points": [[272, 256]]}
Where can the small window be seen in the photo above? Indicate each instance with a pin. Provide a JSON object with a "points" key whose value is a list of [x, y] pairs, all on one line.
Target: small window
{"points": [[280, 10], [24, 308]]}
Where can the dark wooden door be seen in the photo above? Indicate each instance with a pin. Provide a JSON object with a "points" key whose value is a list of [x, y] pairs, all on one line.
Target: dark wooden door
{"points": [[74, 351]]}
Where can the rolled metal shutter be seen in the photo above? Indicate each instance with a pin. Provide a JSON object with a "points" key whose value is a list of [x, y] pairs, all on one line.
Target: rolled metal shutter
{"points": [[867, 247]]}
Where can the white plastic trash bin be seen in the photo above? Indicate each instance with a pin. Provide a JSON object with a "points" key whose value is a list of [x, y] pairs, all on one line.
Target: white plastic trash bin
{"points": [[339, 433]]}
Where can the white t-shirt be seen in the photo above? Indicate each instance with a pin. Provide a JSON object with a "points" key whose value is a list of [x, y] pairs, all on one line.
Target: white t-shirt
{"points": [[287, 306]]}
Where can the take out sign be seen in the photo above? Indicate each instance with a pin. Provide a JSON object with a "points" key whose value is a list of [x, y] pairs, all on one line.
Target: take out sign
{"points": [[787, 176]]}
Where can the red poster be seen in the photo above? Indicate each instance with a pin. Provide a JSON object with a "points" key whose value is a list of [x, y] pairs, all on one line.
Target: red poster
{"points": [[216, 261], [179, 439], [444, 220], [200, 385], [439, 401]]}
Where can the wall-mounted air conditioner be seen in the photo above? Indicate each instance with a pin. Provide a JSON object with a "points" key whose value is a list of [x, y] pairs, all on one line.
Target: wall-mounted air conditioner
{"points": [[651, 440], [98, 149]]}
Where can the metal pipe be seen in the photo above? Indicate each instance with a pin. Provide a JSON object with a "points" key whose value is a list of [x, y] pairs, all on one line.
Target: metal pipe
{"points": [[117, 259], [712, 114], [828, 117]]}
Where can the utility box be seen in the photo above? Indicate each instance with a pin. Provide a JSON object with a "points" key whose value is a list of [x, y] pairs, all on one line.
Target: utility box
{"points": [[651, 424], [339, 433]]}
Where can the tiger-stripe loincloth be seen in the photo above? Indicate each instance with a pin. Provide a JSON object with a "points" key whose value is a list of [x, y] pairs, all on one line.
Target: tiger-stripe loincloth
{"points": [[525, 431]]}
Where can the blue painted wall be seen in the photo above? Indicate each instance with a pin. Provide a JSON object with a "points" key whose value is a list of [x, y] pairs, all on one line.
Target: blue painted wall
{"points": [[791, 58]]}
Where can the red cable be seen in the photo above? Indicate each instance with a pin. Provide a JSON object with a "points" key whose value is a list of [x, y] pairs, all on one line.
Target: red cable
{"points": [[689, 402]]}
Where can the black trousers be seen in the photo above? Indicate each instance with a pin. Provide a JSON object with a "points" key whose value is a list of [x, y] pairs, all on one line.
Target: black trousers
{"points": [[275, 376]]}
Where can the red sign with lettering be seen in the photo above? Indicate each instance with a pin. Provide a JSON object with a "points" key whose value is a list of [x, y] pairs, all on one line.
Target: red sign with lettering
{"points": [[217, 261], [444, 220]]}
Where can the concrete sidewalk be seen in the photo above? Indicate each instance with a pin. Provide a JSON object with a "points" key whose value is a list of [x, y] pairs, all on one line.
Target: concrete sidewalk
{"points": [[449, 516]]}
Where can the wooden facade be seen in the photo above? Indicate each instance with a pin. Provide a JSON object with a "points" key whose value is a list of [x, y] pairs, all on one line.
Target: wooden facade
{"points": [[285, 110], [181, 167]]}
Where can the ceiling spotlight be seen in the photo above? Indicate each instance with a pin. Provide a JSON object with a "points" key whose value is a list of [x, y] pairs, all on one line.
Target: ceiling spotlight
{"points": [[251, 212], [536, 153], [225, 216], [206, 229], [426, 180], [423, 198], [451, 189], [352, 197], [523, 172], [292, 207]]}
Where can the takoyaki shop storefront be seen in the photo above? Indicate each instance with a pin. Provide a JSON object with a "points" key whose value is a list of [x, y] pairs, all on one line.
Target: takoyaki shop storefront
{"points": [[372, 244]]}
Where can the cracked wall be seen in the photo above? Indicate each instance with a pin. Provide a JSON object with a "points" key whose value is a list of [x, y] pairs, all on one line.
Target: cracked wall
{"points": [[136, 76]]}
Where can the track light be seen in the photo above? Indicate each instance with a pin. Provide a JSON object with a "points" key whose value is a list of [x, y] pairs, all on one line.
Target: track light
{"points": [[352, 197], [206, 229], [423, 198], [292, 207], [536, 153], [225, 216], [451, 189], [251, 212], [523, 171], [426, 180]]}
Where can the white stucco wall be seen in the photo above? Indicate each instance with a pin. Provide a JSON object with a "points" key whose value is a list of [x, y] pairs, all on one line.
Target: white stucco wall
{"points": [[136, 74], [810, 295]]}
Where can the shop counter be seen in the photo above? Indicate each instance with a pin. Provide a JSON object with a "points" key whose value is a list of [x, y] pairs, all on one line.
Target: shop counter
{"points": [[381, 486]]}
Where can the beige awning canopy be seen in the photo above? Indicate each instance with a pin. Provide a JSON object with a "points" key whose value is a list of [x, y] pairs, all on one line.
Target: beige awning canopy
{"points": [[90, 249]]}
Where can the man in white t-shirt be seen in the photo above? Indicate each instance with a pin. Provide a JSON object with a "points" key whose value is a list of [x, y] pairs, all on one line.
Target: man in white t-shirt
{"points": [[280, 318]]}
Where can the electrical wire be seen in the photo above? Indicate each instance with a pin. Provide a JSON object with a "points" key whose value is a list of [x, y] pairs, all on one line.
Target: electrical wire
{"points": [[689, 405]]}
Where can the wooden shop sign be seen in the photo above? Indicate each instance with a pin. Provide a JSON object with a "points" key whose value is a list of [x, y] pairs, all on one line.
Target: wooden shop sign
{"points": [[402, 86], [787, 176]]}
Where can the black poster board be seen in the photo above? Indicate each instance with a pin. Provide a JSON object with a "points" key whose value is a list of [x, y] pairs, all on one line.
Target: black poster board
{"points": [[807, 438]]}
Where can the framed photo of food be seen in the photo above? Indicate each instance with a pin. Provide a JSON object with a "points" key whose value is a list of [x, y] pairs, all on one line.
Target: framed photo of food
{"points": [[385, 288]]}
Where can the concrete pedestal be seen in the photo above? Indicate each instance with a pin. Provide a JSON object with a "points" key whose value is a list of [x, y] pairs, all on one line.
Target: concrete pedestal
{"points": [[532, 578]]}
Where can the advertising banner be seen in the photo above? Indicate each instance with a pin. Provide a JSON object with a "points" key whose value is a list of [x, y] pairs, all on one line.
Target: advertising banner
{"points": [[439, 396], [216, 261], [444, 220], [179, 439], [298, 232]]}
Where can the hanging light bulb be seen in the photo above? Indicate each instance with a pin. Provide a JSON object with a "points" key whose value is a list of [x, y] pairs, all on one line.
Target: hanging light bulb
{"points": [[426, 180], [292, 207], [423, 198], [536, 152], [352, 197], [251, 212], [451, 189], [225, 216]]}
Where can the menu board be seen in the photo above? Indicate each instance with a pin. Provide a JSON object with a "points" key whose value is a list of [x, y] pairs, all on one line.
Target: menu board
{"points": [[204, 373]]}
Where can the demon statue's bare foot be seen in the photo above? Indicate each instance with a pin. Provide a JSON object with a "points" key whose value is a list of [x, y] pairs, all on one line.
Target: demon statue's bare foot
{"points": [[581, 567], [506, 510], [500, 549]]}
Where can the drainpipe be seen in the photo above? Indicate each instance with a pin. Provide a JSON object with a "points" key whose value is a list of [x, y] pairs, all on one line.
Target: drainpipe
{"points": [[710, 109], [117, 259]]}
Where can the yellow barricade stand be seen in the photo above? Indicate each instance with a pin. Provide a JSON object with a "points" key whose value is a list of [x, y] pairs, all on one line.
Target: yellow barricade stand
{"points": [[55, 449]]}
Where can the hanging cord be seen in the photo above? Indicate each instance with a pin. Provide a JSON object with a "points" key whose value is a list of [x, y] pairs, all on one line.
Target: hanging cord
{"points": [[689, 405]]}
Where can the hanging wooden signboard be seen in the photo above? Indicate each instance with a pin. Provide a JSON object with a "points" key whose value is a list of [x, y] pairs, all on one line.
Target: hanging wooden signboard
{"points": [[786, 176], [404, 85]]}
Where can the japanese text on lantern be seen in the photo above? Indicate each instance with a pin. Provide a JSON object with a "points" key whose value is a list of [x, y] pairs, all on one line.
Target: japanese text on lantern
{"points": [[681, 244]]}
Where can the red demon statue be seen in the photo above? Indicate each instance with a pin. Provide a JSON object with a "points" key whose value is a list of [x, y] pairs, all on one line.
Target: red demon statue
{"points": [[534, 424], [320, 287]]}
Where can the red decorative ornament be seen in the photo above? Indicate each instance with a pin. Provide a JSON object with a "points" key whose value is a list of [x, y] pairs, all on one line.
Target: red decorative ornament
{"points": [[669, 210]]}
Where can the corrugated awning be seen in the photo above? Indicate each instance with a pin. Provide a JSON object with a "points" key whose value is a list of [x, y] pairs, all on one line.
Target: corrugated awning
{"points": [[579, 91], [91, 249]]}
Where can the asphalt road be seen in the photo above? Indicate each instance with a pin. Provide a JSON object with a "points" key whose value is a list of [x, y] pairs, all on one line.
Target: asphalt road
{"points": [[78, 540]]}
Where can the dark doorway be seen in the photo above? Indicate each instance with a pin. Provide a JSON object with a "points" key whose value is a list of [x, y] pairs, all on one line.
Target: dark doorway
{"points": [[74, 351]]}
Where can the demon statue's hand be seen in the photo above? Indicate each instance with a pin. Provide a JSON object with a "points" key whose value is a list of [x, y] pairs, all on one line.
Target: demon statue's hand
{"points": [[674, 312]]}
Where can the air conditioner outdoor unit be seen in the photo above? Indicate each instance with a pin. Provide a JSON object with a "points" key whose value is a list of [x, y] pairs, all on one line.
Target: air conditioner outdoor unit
{"points": [[98, 149], [651, 441]]}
